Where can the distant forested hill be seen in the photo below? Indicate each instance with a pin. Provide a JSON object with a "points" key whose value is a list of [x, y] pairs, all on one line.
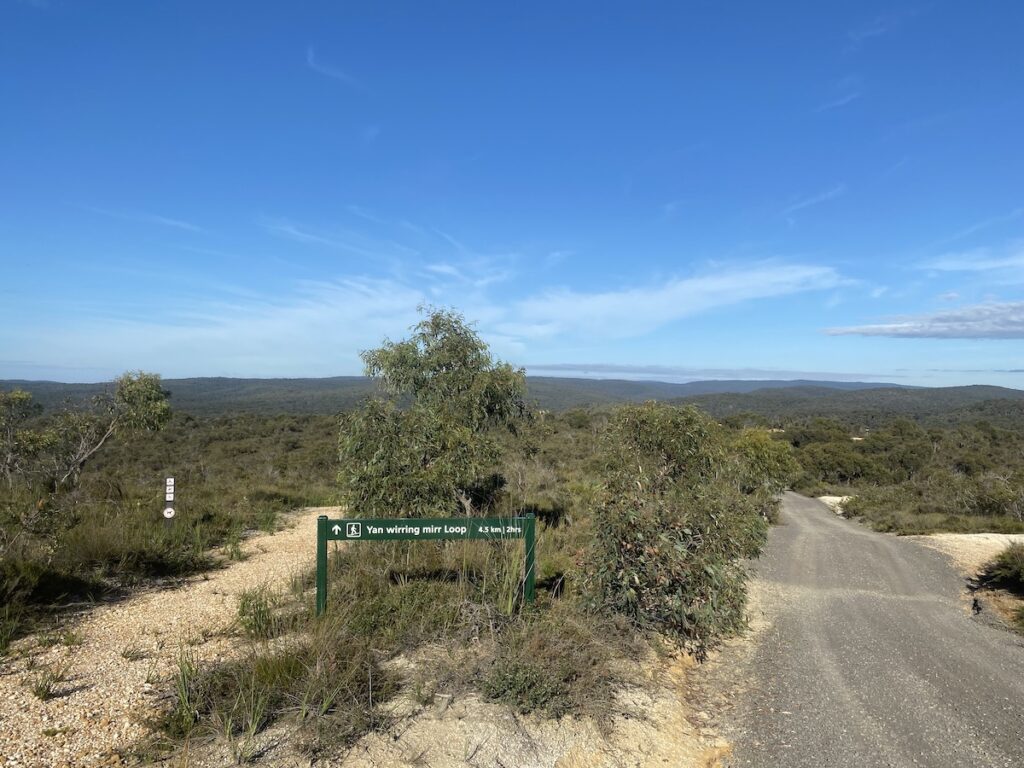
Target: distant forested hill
{"points": [[215, 396], [942, 406], [859, 402]]}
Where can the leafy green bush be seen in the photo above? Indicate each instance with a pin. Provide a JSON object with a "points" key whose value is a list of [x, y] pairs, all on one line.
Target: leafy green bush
{"points": [[672, 527], [1007, 570]]}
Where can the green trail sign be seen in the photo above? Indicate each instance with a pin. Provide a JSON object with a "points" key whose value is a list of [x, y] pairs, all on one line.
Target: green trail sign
{"points": [[423, 529]]}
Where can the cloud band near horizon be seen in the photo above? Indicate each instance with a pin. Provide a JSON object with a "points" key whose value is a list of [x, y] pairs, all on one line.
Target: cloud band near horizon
{"points": [[993, 320]]}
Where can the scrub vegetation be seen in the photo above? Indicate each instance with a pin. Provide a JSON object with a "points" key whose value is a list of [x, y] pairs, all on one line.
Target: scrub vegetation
{"points": [[81, 492], [912, 479], [645, 514]]}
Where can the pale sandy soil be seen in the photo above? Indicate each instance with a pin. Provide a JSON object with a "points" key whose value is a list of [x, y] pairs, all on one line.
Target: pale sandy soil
{"points": [[103, 704], [970, 551], [835, 503], [657, 727]]}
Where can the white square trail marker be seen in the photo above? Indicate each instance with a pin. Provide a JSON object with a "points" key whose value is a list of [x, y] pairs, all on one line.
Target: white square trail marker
{"points": [[169, 499]]}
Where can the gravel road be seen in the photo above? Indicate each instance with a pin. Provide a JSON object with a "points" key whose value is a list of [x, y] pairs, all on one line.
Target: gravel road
{"points": [[868, 655]]}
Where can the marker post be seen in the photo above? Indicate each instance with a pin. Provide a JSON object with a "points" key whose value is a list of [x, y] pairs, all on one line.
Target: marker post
{"points": [[321, 564], [168, 502]]}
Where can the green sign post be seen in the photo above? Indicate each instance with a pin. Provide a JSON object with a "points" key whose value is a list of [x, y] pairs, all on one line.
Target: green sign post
{"points": [[423, 529]]}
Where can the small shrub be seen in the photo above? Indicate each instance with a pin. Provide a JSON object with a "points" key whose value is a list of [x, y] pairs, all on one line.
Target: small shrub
{"points": [[670, 532], [44, 684], [72, 638], [132, 653], [256, 613], [1018, 620], [233, 545], [1007, 570], [188, 694], [558, 662]]}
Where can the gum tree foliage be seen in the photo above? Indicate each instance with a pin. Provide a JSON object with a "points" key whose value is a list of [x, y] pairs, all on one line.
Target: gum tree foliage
{"points": [[18, 444], [137, 403], [763, 465], [428, 446], [42, 458], [682, 505]]}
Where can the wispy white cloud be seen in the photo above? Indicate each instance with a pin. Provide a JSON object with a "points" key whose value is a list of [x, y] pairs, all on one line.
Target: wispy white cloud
{"points": [[314, 327], [478, 273], [286, 229], [980, 226], [841, 101], [901, 163], [353, 242], [145, 218], [554, 258], [979, 260], [879, 26], [830, 194], [445, 269], [330, 71], [364, 213], [635, 311], [317, 327], [992, 320], [456, 244]]}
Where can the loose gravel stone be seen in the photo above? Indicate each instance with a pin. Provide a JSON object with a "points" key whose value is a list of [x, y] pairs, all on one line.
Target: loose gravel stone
{"points": [[116, 679]]}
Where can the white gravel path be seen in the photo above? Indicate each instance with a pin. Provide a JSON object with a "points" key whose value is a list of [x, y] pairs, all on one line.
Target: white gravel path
{"points": [[103, 704]]}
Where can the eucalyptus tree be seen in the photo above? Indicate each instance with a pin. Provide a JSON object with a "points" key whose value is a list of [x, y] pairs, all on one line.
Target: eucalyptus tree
{"points": [[427, 444]]}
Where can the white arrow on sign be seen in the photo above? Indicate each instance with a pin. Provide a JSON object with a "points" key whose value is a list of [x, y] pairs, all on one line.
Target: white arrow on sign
{"points": [[336, 529]]}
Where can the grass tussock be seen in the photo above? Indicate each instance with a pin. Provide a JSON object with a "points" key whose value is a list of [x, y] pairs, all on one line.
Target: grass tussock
{"points": [[330, 681], [46, 682], [559, 662], [1007, 570]]}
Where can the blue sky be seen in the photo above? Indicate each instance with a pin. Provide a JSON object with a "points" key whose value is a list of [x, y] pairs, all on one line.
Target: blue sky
{"points": [[663, 190]]}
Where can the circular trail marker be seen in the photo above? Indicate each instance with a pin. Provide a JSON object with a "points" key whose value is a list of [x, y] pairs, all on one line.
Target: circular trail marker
{"points": [[169, 513]]}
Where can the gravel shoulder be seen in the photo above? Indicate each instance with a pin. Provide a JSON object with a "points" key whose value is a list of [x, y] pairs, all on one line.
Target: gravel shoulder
{"points": [[119, 657], [970, 552]]}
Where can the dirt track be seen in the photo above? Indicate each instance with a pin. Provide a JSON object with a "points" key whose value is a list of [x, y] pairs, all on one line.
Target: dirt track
{"points": [[101, 707]]}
